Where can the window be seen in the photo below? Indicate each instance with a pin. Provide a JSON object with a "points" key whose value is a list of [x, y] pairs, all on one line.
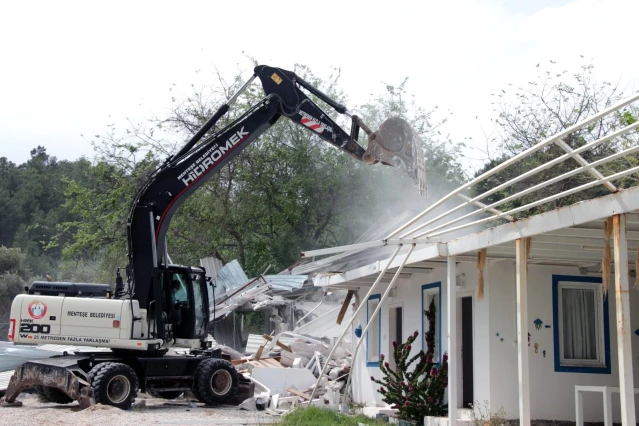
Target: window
{"points": [[374, 335], [581, 325], [178, 288], [432, 292], [199, 287]]}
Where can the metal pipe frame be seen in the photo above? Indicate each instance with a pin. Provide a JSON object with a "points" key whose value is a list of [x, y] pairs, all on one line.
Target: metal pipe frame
{"points": [[537, 187], [309, 312], [516, 158], [526, 175], [395, 241], [545, 200], [359, 308], [375, 312], [583, 162], [558, 139]]}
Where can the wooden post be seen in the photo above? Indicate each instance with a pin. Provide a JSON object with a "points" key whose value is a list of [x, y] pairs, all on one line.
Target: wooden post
{"points": [[452, 340], [624, 345], [522, 332], [347, 301]]}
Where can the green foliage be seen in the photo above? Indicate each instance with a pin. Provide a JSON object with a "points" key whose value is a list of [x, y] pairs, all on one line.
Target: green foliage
{"points": [[416, 391], [289, 191], [252, 322], [550, 104], [31, 206], [14, 274], [101, 208], [315, 416]]}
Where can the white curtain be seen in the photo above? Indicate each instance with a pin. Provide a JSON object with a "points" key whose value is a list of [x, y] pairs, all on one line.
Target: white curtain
{"points": [[579, 323]]}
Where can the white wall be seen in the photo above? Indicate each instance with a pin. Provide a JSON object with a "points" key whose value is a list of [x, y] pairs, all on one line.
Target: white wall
{"points": [[551, 393], [495, 361], [409, 295], [500, 286], [364, 390]]}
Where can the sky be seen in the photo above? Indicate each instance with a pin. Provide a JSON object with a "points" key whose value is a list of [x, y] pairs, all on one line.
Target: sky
{"points": [[71, 68]]}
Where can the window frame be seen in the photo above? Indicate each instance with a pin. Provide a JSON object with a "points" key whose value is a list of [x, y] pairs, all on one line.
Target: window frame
{"points": [[602, 364], [379, 334], [428, 289]]}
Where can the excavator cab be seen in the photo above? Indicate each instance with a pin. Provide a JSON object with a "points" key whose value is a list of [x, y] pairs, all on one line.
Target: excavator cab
{"points": [[186, 303]]}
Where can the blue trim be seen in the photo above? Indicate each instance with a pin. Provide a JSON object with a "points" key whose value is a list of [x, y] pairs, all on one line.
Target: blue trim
{"points": [[379, 319], [555, 317], [438, 286]]}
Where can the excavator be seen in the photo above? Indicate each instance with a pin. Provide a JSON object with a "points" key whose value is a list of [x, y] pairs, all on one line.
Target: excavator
{"points": [[162, 307]]}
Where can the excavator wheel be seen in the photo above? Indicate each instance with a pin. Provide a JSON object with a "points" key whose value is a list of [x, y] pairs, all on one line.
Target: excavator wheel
{"points": [[216, 381], [114, 384]]}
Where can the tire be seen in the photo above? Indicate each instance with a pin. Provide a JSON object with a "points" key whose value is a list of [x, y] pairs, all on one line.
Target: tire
{"points": [[56, 396], [195, 392], [114, 384], [216, 381], [166, 394]]}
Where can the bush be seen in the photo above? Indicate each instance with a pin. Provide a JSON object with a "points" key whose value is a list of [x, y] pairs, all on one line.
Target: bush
{"points": [[315, 416], [418, 392]]}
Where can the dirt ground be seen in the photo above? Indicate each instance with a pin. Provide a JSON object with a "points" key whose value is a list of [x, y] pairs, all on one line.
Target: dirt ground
{"points": [[146, 411]]}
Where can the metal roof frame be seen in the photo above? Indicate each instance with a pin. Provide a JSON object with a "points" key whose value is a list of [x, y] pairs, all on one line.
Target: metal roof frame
{"points": [[567, 235]]}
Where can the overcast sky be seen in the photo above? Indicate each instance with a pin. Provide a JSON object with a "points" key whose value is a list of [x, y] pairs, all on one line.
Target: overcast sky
{"points": [[71, 68]]}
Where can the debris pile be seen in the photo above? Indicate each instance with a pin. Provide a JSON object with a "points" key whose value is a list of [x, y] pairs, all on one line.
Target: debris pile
{"points": [[286, 377], [303, 321]]}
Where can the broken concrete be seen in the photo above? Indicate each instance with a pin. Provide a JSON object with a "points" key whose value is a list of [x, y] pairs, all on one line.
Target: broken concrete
{"points": [[278, 379]]}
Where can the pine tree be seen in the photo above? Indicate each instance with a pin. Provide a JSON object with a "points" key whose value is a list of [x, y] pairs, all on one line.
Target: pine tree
{"points": [[416, 392]]}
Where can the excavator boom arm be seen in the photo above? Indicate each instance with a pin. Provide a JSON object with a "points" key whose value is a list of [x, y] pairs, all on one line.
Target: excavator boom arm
{"points": [[180, 175]]}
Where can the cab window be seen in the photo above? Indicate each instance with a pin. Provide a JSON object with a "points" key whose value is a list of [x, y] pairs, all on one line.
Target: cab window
{"points": [[178, 289]]}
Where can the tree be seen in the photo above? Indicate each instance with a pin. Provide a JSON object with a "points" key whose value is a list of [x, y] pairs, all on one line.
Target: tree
{"points": [[550, 104], [416, 391], [14, 276], [100, 209], [286, 192], [31, 206]]}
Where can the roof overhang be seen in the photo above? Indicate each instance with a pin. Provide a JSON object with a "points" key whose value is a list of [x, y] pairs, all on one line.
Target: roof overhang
{"points": [[569, 236]]}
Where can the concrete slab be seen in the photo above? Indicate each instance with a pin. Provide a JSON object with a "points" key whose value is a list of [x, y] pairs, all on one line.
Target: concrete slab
{"points": [[277, 379]]}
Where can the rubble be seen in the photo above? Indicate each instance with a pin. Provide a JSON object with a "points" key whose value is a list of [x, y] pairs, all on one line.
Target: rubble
{"points": [[301, 325], [288, 380], [254, 403]]}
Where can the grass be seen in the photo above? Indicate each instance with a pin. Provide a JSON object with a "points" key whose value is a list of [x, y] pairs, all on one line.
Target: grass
{"points": [[322, 417]]}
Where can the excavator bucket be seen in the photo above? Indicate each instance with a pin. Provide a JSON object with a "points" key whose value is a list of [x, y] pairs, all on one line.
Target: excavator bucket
{"points": [[398, 145]]}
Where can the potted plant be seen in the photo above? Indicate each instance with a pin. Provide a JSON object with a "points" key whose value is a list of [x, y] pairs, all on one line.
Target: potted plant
{"points": [[416, 392]]}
